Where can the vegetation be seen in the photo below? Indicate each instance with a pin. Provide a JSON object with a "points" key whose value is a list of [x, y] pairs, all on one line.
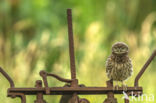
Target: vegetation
{"points": [[33, 37]]}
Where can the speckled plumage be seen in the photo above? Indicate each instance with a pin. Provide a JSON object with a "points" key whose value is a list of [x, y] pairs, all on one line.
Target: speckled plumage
{"points": [[118, 65]]}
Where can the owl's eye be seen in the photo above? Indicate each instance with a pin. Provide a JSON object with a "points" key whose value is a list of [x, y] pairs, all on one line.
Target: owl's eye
{"points": [[124, 49], [115, 49]]}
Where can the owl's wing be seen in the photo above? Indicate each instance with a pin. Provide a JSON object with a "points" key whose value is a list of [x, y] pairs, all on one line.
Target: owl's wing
{"points": [[109, 66], [130, 67]]}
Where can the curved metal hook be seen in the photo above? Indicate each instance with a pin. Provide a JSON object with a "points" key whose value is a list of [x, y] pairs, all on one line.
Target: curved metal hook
{"points": [[44, 75], [8, 78], [144, 68]]}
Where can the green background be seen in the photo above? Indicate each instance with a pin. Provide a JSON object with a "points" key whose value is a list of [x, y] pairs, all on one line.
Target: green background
{"points": [[33, 37]]}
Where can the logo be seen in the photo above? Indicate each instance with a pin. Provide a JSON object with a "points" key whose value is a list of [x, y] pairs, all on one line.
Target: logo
{"points": [[143, 97], [125, 95]]}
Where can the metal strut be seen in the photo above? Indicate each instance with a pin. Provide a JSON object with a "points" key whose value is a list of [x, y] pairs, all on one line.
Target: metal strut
{"points": [[71, 44], [136, 84], [12, 85]]}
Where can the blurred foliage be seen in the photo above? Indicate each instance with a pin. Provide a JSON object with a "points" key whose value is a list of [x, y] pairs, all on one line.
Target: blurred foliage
{"points": [[33, 37]]}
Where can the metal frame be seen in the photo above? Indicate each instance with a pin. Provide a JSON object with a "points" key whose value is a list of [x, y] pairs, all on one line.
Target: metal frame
{"points": [[74, 88]]}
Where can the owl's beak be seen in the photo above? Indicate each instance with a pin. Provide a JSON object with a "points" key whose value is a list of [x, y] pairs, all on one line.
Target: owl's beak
{"points": [[119, 52]]}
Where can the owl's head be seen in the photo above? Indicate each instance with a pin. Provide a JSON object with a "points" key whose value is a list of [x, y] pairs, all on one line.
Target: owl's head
{"points": [[120, 48]]}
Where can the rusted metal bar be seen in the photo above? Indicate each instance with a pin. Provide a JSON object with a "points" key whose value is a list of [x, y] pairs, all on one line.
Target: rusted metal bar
{"points": [[136, 84], [43, 73], [71, 44], [84, 100], [110, 95], [74, 82], [44, 76], [12, 85], [126, 100], [71, 90], [20, 95], [39, 94]]}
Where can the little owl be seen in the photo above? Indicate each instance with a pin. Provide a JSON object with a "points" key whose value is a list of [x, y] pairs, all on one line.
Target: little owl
{"points": [[118, 65]]}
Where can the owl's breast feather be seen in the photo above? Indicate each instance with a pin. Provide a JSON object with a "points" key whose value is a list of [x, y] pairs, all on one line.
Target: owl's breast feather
{"points": [[119, 71]]}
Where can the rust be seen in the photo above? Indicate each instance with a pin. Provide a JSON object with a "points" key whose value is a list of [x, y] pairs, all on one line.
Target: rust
{"points": [[136, 84], [44, 75], [68, 98], [71, 44], [39, 94], [110, 95], [20, 95], [12, 85], [83, 100], [74, 82], [126, 101], [73, 89]]}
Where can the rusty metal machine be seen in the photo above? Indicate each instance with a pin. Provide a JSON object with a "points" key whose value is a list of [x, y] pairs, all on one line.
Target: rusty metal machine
{"points": [[74, 89]]}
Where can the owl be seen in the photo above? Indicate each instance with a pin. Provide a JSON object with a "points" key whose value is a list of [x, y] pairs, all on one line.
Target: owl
{"points": [[118, 64]]}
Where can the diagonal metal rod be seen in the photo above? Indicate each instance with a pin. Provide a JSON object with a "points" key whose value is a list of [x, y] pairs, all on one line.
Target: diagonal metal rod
{"points": [[144, 68], [12, 85], [71, 45]]}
